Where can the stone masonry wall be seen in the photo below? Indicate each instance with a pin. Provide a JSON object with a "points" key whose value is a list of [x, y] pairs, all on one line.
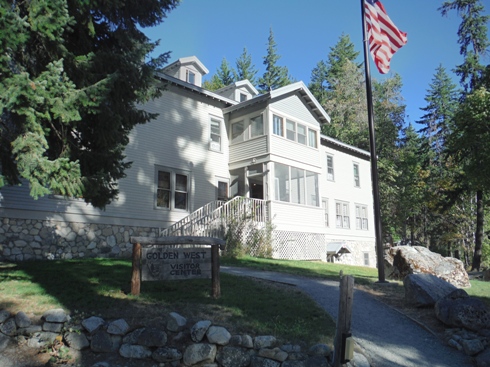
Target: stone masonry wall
{"points": [[30, 239]]}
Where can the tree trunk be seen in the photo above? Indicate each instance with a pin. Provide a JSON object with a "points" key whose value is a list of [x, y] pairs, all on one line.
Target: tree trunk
{"points": [[479, 231]]}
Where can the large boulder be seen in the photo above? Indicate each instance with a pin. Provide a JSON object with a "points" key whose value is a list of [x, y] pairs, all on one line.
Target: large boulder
{"points": [[460, 310], [403, 260], [424, 290]]}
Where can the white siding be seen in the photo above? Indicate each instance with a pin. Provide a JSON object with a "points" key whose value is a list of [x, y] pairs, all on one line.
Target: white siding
{"points": [[296, 109], [292, 217], [248, 149], [179, 139], [342, 189]]}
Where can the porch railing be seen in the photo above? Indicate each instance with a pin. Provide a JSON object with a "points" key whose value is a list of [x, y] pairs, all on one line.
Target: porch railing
{"points": [[212, 219]]}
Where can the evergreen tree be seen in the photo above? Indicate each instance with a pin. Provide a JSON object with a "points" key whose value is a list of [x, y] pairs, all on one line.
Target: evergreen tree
{"points": [[318, 82], [275, 76], [343, 52], [72, 78], [245, 69], [472, 37], [224, 76]]}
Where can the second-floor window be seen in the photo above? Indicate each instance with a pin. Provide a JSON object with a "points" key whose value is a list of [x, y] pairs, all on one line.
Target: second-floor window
{"points": [[277, 125], [256, 126], [215, 134], [237, 129], [312, 138], [357, 182], [342, 213], [330, 173]]}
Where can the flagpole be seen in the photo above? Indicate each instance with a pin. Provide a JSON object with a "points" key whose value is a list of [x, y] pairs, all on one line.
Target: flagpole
{"points": [[374, 164]]}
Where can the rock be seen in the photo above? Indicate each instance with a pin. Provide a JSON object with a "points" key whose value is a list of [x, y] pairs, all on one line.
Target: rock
{"points": [[199, 329], [233, 357], [9, 327], [134, 351], [55, 315], [4, 315], [424, 290], [472, 346], [103, 342], [176, 322], [218, 335], [54, 327], [22, 320], [118, 327], [92, 323], [404, 260], [149, 337], [486, 275], [41, 339], [76, 341], [257, 361], [291, 348], [4, 342], [293, 363], [275, 353], [199, 353], [166, 354], [467, 312], [316, 361], [359, 361], [322, 350], [483, 359], [266, 341]]}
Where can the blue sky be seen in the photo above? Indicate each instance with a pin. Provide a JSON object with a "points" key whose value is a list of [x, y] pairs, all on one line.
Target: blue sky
{"points": [[305, 31]]}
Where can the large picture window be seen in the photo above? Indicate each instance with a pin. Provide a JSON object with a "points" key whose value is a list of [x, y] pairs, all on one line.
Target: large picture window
{"points": [[172, 189], [295, 185]]}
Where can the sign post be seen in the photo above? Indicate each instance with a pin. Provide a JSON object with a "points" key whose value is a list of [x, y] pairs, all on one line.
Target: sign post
{"points": [[176, 258]]}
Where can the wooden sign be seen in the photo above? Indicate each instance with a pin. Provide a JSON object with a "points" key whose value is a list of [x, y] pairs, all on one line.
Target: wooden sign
{"points": [[159, 263]]}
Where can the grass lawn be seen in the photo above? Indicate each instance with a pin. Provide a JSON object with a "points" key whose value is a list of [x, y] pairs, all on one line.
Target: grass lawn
{"points": [[101, 287]]}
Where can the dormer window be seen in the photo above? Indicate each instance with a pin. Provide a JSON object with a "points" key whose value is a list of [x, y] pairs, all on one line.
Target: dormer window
{"points": [[190, 77], [243, 97]]}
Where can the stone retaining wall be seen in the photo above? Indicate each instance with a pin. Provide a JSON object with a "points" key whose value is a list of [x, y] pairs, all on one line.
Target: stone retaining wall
{"points": [[30, 239], [180, 343]]}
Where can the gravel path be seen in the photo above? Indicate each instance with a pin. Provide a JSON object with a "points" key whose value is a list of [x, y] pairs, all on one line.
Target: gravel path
{"points": [[389, 339]]}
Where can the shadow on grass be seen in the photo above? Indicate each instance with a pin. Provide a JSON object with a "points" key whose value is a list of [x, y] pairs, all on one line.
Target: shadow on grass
{"points": [[101, 287]]}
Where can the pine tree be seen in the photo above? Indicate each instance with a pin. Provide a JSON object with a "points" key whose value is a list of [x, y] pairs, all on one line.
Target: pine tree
{"points": [[72, 78], [343, 52], [472, 37], [245, 69], [275, 76]]}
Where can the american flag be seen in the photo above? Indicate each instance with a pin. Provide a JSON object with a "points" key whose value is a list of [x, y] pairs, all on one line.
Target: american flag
{"points": [[383, 36]]}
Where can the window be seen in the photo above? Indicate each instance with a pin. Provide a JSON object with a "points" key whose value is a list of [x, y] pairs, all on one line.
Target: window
{"points": [[330, 175], [281, 179], [361, 217], [223, 190], [237, 131], [243, 97], [172, 190], [190, 77], [366, 258], [342, 213], [290, 130], [215, 135], [295, 185], [278, 125], [301, 134], [256, 126], [311, 188], [312, 138], [325, 211], [357, 182]]}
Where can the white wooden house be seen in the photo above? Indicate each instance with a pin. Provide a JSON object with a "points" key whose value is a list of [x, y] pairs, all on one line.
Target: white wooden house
{"points": [[203, 149]]}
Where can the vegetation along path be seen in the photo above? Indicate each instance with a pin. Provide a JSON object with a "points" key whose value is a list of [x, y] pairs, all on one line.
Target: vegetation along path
{"points": [[389, 338]]}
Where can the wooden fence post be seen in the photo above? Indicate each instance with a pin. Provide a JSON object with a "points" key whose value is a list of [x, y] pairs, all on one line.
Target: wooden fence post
{"points": [[136, 276], [215, 279], [344, 317]]}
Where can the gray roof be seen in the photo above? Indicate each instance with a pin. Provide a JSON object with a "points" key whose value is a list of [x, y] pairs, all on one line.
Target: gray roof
{"points": [[334, 248]]}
